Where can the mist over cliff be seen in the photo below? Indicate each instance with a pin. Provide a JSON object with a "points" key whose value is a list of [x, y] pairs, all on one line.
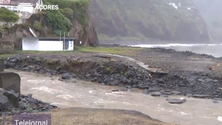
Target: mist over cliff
{"points": [[148, 20], [211, 11]]}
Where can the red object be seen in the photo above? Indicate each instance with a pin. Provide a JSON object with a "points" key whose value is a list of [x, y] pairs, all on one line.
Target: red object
{"points": [[6, 2]]}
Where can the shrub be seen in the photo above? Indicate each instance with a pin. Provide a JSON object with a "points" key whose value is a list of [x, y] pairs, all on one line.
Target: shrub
{"points": [[58, 21], [37, 26], [68, 13]]}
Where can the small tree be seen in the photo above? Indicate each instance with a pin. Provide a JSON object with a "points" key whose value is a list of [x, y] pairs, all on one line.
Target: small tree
{"points": [[8, 16]]}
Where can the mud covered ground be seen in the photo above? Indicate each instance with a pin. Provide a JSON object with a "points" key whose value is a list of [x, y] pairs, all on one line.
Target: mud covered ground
{"points": [[188, 73]]}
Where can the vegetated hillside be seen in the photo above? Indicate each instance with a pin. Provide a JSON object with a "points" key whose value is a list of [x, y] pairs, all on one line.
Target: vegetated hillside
{"points": [[147, 19], [73, 17], [211, 11]]}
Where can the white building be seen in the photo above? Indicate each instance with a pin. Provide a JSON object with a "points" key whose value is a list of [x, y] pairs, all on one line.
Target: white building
{"points": [[23, 7], [47, 44]]}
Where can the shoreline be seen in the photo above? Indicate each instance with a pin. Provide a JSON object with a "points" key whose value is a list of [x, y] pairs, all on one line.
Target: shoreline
{"points": [[187, 74]]}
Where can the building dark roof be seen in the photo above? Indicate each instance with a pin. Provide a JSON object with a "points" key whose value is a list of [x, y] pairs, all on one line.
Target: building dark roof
{"points": [[54, 38], [16, 2], [51, 38]]}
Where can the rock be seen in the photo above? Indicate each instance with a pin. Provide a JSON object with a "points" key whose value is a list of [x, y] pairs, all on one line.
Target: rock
{"points": [[200, 80], [4, 102], [58, 68], [65, 76], [13, 98], [143, 86], [29, 95], [176, 92], [189, 95], [164, 95], [200, 96], [88, 75], [146, 91], [176, 101], [10, 65], [117, 90], [123, 89], [23, 105], [155, 93], [215, 101], [165, 92], [153, 90], [13, 60]]}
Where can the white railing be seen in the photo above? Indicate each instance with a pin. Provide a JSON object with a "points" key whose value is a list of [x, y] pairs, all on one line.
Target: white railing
{"points": [[30, 29]]}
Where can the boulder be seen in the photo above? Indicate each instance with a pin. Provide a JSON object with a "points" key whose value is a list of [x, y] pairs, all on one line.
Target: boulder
{"points": [[13, 98], [10, 81], [4, 102], [155, 93], [200, 96], [65, 76], [176, 101]]}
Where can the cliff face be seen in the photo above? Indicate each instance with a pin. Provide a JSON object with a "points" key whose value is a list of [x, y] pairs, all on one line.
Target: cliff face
{"points": [[147, 19], [211, 12], [87, 34]]}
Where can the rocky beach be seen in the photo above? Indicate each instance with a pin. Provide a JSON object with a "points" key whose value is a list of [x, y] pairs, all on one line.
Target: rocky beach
{"points": [[156, 72], [182, 73]]}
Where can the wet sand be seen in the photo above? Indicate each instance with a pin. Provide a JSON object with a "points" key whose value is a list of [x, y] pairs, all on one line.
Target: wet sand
{"points": [[78, 93]]}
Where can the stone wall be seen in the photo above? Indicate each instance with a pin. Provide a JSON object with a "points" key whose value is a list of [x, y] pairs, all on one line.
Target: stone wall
{"points": [[6, 46]]}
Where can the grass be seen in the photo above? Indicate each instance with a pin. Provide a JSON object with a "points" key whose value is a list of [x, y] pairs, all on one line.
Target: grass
{"points": [[108, 50], [111, 50], [5, 55]]}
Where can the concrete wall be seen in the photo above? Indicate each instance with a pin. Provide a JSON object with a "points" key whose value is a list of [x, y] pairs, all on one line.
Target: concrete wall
{"points": [[50, 45], [30, 44], [1, 65]]}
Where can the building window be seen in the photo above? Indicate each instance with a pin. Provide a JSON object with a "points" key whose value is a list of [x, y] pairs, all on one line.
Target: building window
{"points": [[15, 9]]}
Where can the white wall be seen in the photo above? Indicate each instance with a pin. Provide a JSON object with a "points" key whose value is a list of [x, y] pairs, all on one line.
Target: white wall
{"points": [[30, 44], [50, 45]]}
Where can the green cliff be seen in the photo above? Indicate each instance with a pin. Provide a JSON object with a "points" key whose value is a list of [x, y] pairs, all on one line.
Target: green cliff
{"points": [[147, 20]]}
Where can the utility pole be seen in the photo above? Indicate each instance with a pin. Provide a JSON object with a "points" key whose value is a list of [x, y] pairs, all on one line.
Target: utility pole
{"points": [[68, 40], [64, 41], [60, 36]]}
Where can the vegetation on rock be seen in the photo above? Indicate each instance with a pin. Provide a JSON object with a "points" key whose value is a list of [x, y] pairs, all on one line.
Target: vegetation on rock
{"points": [[72, 9], [37, 25], [58, 21], [8, 16]]}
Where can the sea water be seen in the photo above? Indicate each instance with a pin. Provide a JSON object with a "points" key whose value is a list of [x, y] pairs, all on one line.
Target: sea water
{"points": [[209, 49]]}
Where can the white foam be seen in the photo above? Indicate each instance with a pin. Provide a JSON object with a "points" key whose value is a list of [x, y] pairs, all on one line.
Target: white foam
{"points": [[219, 118], [66, 97], [172, 45], [183, 113], [43, 88]]}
